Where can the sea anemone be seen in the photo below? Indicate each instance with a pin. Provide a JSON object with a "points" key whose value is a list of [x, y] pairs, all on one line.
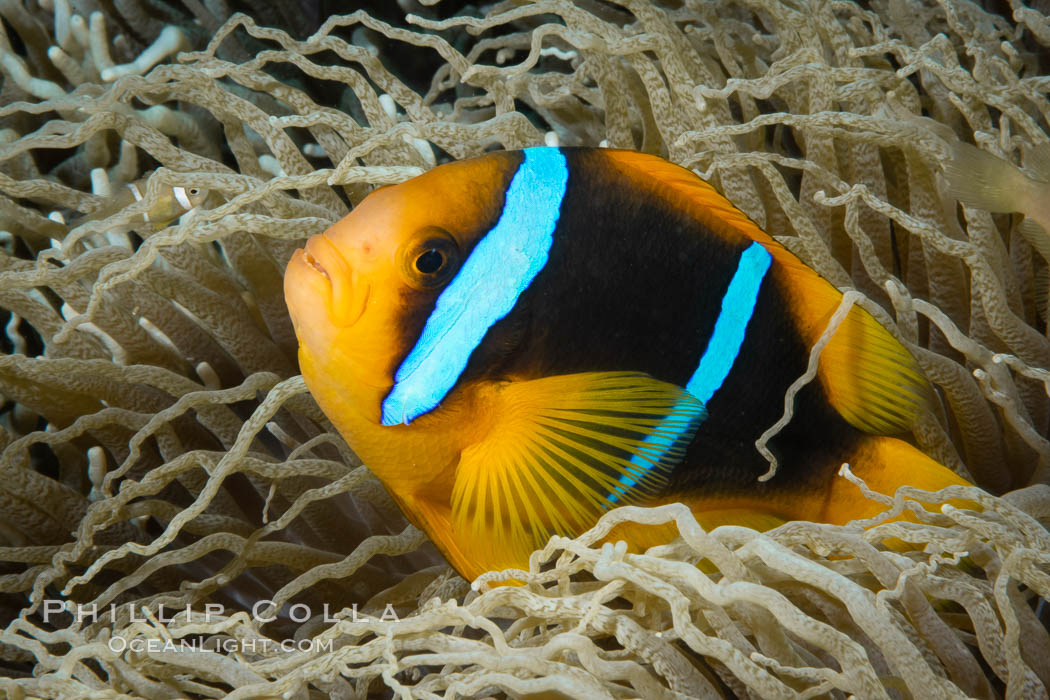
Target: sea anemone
{"points": [[178, 518]]}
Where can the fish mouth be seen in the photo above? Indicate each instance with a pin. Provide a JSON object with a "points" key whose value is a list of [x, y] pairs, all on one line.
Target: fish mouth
{"points": [[349, 293], [316, 265], [320, 251]]}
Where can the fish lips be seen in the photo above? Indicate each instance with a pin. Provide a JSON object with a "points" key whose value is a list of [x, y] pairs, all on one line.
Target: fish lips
{"points": [[322, 271]]}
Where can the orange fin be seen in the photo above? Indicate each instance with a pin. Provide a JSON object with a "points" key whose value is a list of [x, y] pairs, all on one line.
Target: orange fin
{"points": [[885, 464], [641, 537], [562, 451], [744, 517]]}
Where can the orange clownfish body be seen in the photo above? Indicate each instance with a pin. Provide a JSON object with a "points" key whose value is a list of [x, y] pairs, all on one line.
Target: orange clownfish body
{"points": [[519, 342]]}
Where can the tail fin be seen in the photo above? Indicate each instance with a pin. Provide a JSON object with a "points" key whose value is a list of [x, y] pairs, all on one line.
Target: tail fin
{"points": [[885, 464]]}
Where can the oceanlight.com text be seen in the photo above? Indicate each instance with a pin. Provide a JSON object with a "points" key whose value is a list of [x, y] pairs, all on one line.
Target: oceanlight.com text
{"points": [[118, 645]]}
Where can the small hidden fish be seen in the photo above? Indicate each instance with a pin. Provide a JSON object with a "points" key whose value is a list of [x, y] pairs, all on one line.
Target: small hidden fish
{"points": [[519, 342], [983, 180], [169, 205]]}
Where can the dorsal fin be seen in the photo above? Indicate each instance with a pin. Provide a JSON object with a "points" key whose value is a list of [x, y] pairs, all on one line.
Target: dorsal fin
{"points": [[869, 377]]}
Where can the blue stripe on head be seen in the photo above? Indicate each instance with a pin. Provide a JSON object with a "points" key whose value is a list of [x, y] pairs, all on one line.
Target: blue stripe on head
{"points": [[501, 267], [738, 305]]}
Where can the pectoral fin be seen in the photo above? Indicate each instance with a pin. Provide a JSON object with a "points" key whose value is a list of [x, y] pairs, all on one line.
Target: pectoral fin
{"points": [[564, 450]]}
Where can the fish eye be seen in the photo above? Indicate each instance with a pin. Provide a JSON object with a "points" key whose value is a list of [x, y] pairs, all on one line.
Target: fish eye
{"points": [[430, 258], [194, 191], [430, 262]]}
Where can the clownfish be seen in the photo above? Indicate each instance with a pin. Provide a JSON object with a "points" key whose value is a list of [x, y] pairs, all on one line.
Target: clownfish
{"points": [[168, 206], [517, 343]]}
